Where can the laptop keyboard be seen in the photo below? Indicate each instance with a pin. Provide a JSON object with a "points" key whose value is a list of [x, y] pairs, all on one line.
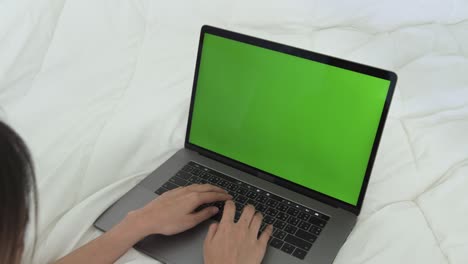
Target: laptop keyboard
{"points": [[295, 227]]}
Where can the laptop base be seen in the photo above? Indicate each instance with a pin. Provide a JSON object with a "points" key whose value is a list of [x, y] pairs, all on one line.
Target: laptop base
{"points": [[187, 247]]}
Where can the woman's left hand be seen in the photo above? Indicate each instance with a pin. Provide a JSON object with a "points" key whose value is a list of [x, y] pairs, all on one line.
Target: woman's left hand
{"points": [[174, 211]]}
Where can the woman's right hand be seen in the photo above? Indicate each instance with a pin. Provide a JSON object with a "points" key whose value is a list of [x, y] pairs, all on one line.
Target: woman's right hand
{"points": [[236, 243]]}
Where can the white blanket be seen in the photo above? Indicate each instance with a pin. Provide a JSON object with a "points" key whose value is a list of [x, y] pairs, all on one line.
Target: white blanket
{"points": [[100, 91]]}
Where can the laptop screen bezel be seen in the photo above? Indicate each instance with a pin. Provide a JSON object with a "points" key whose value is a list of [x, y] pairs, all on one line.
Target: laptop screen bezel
{"points": [[353, 66]]}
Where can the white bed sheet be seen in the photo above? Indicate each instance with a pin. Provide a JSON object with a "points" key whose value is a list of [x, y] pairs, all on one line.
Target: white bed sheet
{"points": [[100, 91]]}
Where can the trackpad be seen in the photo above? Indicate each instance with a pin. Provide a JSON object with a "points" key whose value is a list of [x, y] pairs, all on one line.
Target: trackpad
{"points": [[186, 247]]}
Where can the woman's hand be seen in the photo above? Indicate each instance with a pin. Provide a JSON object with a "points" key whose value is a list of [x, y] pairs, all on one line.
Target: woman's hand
{"points": [[236, 243], [173, 211]]}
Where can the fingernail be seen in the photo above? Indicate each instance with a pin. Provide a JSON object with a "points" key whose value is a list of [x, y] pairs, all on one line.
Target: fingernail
{"points": [[215, 210]]}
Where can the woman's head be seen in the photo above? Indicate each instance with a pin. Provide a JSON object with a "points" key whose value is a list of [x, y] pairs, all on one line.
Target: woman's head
{"points": [[17, 189]]}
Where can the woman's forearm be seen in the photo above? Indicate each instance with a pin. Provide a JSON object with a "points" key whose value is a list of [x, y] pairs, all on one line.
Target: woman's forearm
{"points": [[110, 246]]}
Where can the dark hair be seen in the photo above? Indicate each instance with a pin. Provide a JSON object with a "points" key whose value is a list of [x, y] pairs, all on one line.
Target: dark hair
{"points": [[17, 191]]}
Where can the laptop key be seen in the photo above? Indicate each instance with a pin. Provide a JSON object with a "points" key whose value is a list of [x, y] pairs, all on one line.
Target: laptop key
{"points": [[276, 243], [304, 225], [187, 168], [324, 217], [279, 224], [242, 191], [274, 197], [194, 179], [271, 212], [260, 191], [315, 230], [262, 199], [288, 248], [282, 207], [183, 175], [299, 253], [223, 183], [293, 211], [169, 186], [252, 195], [272, 203], [261, 208], [280, 234], [268, 219], [178, 181], [303, 216], [305, 236], [226, 178], [282, 216], [298, 242], [317, 222], [196, 172], [232, 187], [198, 180], [242, 199], [161, 190], [213, 179], [293, 221], [290, 229]]}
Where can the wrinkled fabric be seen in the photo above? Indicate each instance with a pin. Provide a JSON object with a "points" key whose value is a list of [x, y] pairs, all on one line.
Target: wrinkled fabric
{"points": [[100, 91]]}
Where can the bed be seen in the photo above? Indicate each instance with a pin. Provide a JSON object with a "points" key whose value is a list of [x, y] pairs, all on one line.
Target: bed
{"points": [[100, 91]]}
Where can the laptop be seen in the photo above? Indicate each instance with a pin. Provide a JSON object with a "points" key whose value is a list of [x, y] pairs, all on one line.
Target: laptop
{"points": [[292, 132]]}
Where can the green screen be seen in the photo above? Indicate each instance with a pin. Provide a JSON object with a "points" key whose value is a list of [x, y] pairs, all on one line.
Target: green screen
{"points": [[301, 120]]}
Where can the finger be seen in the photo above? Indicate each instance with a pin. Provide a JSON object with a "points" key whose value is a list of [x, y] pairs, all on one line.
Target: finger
{"points": [[204, 214], [229, 211], [265, 236], [211, 232], [256, 223], [247, 215], [204, 188], [198, 199]]}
